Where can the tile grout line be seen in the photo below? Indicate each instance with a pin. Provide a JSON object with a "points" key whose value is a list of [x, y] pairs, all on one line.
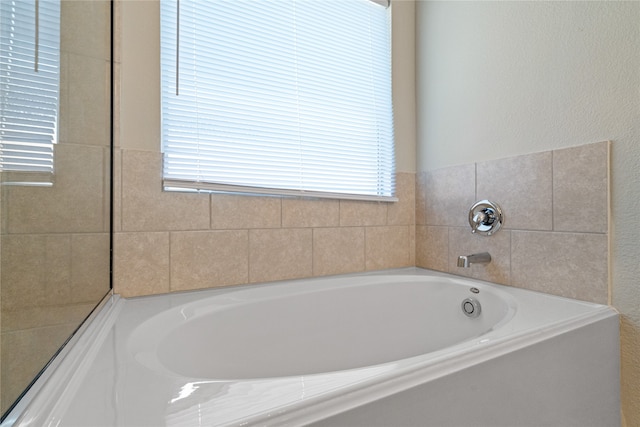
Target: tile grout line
{"points": [[510, 282], [553, 225], [169, 263], [249, 255], [475, 180], [313, 265], [121, 173]]}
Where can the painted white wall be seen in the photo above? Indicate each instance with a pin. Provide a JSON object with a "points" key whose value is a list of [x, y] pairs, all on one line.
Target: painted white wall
{"points": [[404, 83], [499, 79]]}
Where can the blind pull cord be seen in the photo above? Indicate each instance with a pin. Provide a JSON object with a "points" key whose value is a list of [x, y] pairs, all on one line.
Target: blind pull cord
{"points": [[37, 37], [177, 47]]}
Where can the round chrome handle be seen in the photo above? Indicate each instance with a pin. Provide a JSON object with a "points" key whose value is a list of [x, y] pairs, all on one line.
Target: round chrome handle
{"points": [[485, 217]]}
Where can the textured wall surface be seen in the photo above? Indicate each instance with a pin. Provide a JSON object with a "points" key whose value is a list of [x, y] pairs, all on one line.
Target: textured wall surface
{"points": [[555, 233], [170, 242], [502, 79]]}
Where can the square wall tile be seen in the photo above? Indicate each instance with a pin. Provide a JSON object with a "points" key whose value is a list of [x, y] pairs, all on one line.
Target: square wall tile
{"points": [[117, 95], [301, 212], [57, 268], [387, 247], [573, 265], [20, 363], [141, 263], [412, 245], [117, 190], [85, 105], [35, 270], [43, 316], [420, 197], [89, 267], [581, 188], [463, 242], [338, 250], [432, 247], [521, 186], [403, 212], [3, 207], [85, 28], [354, 213], [146, 207], [280, 254], [240, 212], [206, 259], [449, 194], [75, 202]]}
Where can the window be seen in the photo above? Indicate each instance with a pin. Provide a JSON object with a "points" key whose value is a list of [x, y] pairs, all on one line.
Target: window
{"points": [[279, 97], [29, 87]]}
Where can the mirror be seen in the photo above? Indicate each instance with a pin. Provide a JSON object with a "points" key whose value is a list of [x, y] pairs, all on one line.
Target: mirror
{"points": [[55, 211]]}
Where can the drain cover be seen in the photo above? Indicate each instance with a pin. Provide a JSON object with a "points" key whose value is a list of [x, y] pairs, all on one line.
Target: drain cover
{"points": [[471, 307]]}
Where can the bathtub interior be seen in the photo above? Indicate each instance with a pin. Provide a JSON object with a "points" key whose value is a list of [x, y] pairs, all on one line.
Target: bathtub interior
{"points": [[308, 329], [109, 383]]}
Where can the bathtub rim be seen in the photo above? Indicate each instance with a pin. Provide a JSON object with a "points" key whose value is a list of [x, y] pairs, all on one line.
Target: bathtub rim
{"points": [[56, 394], [385, 385], [66, 371]]}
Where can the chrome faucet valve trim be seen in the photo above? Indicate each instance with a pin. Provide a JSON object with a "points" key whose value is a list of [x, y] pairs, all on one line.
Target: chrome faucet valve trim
{"points": [[485, 217]]}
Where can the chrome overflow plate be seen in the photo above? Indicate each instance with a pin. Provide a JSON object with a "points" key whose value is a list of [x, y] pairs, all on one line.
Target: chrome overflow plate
{"points": [[485, 217]]}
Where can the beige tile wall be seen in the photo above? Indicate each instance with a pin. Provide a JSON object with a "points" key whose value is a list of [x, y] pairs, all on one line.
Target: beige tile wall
{"points": [[555, 233], [555, 236], [173, 241]]}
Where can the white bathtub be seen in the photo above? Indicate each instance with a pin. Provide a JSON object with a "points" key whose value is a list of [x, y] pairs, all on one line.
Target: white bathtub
{"points": [[387, 349]]}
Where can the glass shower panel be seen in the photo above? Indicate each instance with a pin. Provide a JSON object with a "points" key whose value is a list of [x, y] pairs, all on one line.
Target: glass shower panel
{"points": [[55, 226]]}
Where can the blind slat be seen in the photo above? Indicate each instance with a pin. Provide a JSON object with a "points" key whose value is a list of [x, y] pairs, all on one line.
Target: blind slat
{"points": [[287, 95]]}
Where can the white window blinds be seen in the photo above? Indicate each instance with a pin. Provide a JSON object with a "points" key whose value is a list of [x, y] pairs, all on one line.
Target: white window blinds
{"points": [[279, 97], [29, 84]]}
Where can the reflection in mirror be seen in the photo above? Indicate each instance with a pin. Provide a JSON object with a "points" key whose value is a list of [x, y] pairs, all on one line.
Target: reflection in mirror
{"points": [[55, 151]]}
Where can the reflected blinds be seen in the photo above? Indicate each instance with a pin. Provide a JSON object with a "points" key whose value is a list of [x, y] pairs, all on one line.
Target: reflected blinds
{"points": [[284, 97], [29, 84]]}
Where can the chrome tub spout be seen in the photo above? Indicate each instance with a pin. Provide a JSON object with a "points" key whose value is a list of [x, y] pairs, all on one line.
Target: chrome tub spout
{"points": [[465, 261]]}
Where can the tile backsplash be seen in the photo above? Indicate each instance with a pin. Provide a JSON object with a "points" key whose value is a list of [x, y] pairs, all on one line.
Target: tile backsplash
{"points": [[554, 238], [171, 241], [555, 234]]}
